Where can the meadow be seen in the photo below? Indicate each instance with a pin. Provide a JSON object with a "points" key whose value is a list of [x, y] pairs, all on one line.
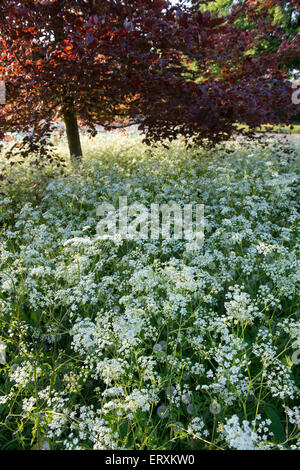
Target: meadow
{"points": [[121, 344]]}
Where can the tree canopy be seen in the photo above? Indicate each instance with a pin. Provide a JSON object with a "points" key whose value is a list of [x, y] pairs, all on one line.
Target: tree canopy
{"points": [[173, 70], [284, 13]]}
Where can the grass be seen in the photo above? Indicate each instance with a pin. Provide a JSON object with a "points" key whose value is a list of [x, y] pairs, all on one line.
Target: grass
{"points": [[143, 344], [275, 129]]}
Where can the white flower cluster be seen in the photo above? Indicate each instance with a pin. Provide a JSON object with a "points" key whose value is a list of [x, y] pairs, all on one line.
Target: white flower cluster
{"points": [[247, 436], [122, 344]]}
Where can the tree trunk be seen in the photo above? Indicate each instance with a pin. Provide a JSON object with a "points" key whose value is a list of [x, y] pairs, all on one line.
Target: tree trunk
{"points": [[72, 130]]}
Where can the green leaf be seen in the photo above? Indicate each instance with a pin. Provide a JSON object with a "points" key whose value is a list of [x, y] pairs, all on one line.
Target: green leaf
{"points": [[276, 426]]}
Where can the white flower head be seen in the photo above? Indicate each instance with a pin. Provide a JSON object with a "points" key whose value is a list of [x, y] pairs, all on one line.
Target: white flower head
{"points": [[215, 407], [163, 411]]}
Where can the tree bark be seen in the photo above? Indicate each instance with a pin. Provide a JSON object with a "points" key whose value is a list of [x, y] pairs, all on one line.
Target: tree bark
{"points": [[73, 136]]}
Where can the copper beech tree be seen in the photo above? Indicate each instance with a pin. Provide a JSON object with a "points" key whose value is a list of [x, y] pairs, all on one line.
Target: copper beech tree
{"points": [[169, 68]]}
